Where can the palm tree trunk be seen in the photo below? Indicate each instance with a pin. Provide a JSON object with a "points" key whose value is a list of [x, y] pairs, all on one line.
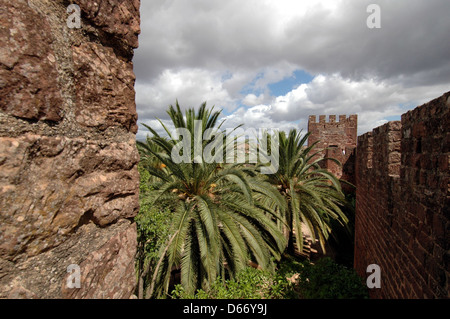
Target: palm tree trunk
{"points": [[290, 232], [150, 289], [291, 244]]}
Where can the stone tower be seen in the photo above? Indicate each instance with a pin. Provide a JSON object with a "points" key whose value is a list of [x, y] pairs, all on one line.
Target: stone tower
{"points": [[336, 139]]}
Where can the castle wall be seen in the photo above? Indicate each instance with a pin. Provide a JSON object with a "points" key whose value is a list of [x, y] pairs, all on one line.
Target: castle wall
{"points": [[402, 203], [68, 161]]}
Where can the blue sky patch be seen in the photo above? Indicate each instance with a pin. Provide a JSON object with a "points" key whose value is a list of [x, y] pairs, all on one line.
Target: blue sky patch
{"points": [[393, 118], [288, 84]]}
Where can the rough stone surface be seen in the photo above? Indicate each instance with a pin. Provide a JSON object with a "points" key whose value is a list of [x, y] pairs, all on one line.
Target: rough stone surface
{"points": [[45, 274], [51, 185], [68, 161], [107, 271], [27, 64], [120, 19], [402, 203], [104, 88]]}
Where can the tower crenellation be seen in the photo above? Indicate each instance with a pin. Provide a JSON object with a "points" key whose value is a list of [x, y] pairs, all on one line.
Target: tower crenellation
{"points": [[336, 139]]}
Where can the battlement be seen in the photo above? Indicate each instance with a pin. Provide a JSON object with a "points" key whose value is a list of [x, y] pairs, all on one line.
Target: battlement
{"points": [[340, 135], [332, 119], [402, 177], [331, 132]]}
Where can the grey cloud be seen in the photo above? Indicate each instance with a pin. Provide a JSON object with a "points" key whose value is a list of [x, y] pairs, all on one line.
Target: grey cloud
{"points": [[405, 61], [412, 40], [229, 34]]}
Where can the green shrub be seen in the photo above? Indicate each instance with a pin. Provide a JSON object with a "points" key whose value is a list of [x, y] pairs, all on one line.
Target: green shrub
{"points": [[323, 280], [329, 280], [153, 229], [144, 176], [153, 223], [152, 234], [250, 283]]}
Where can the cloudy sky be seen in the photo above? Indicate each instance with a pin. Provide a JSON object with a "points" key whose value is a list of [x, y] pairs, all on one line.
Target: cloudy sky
{"points": [[271, 63]]}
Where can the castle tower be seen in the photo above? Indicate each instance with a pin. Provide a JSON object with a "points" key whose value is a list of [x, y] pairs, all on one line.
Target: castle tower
{"points": [[336, 139]]}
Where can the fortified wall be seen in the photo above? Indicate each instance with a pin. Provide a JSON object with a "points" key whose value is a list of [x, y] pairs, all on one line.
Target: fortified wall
{"points": [[401, 173], [402, 203], [68, 162]]}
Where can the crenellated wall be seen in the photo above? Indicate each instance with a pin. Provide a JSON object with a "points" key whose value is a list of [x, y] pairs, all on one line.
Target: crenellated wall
{"points": [[402, 203], [68, 161]]}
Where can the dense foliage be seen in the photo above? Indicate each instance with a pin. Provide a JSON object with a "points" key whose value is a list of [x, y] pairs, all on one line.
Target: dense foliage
{"points": [[153, 224], [313, 195], [329, 280], [219, 221], [209, 220], [304, 280], [250, 283]]}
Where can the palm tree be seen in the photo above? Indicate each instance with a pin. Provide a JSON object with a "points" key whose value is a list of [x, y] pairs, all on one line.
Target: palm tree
{"points": [[313, 195], [218, 226], [148, 161]]}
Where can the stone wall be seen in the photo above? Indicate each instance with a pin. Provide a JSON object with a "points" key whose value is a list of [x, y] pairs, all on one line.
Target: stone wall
{"points": [[402, 203], [68, 162]]}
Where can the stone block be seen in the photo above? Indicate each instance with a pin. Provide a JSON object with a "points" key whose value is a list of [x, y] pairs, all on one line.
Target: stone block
{"points": [[28, 70]]}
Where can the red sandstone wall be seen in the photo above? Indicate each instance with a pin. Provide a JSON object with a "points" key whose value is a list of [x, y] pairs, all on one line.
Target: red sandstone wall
{"points": [[68, 160], [402, 203]]}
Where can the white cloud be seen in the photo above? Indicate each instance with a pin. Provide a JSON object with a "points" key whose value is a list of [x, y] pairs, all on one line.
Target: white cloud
{"points": [[252, 99], [256, 117], [190, 86], [372, 101]]}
